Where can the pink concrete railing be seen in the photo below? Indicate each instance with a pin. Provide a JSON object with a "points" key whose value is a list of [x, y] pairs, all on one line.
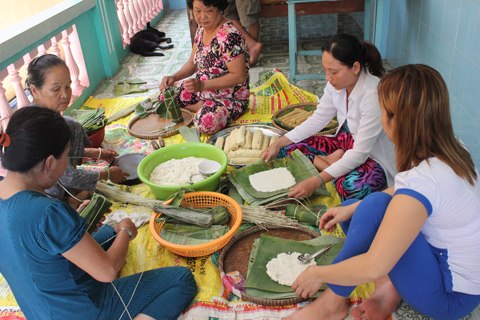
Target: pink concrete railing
{"points": [[66, 45], [133, 15]]}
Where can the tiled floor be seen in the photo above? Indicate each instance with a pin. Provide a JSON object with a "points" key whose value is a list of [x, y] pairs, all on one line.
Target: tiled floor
{"points": [[274, 35]]}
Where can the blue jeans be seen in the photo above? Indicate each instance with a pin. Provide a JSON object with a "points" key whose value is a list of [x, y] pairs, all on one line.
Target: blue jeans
{"points": [[161, 293], [417, 276]]}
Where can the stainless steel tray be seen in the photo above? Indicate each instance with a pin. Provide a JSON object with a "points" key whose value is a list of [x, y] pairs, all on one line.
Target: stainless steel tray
{"points": [[266, 130]]}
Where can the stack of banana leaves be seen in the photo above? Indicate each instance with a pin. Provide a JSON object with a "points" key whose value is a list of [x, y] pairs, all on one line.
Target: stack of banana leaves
{"points": [[190, 226], [297, 163], [259, 285], [90, 119]]}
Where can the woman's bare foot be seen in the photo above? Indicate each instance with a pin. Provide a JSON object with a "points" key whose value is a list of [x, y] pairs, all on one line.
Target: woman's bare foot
{"points": [[323, 162], [255, 49], [329, 306], [195, 107], [381, 304]]}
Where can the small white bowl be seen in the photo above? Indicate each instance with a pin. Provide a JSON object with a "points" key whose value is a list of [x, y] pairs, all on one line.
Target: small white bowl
{"points": [[209, 167]]}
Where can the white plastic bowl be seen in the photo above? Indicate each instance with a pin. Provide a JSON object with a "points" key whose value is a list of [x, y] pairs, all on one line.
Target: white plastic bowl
{"points": [[209, 167]]}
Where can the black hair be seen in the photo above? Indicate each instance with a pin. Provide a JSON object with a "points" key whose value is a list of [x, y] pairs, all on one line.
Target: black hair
{"points": [[220, 4], [38, 66], [35, 134], [348, 49]]}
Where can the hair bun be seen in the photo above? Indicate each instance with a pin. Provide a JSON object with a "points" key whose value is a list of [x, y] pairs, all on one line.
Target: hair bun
{"points": [[4, 140]]}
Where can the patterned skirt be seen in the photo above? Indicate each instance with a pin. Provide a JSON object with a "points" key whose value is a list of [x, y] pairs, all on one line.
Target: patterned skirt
{"points": [[367, 178]]}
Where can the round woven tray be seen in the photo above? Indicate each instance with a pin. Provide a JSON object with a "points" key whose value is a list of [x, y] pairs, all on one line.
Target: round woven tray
{"points": [[153, 125], [234, 256], [302, 105]]}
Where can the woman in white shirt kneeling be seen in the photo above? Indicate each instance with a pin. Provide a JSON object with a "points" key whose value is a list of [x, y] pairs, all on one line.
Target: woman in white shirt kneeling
{"points": [[359, 158]]}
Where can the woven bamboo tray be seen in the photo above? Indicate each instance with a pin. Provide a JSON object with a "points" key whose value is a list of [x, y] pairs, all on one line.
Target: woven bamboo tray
{"points": [[304, 105], [153, 125], [234, 256]]}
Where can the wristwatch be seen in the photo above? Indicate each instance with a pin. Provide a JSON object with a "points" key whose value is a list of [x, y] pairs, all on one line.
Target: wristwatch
{"points": [[130, 234]]}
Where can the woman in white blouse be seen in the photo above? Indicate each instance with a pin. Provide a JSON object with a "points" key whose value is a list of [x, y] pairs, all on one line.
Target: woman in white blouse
{"points": [[359, 158]]}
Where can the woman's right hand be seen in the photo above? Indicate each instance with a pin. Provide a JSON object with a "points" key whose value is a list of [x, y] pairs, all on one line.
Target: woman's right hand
{"points": [[117, 175], [271, 152], [128, 224], [333, 216], [167, 82]]}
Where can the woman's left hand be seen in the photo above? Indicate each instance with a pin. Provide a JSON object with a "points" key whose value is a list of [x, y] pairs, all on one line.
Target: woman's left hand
{"points": [[83, 205], [304, 188], [194, 85], [307, 283]]}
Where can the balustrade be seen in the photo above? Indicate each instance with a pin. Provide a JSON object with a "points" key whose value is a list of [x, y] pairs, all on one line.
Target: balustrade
{"points": [[133, 15], [64, 44]]}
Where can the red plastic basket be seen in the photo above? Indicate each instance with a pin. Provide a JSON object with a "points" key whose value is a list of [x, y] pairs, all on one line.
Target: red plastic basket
{"points": [[96, 138]]}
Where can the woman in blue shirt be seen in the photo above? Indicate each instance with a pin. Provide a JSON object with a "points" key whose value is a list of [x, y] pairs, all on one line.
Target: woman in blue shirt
{"points": [[55, 268]]}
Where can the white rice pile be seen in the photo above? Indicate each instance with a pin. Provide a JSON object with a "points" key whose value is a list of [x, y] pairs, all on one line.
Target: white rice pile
{"points": [[272, 180], [285, 268], [177, 172]]}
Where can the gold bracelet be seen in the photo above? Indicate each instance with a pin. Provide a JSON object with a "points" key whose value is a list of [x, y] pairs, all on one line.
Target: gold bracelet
{"points": [[99, 153]]}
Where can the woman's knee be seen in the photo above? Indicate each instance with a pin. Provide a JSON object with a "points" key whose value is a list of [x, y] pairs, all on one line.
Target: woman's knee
{"points": [[374, 205], [211, 120]]}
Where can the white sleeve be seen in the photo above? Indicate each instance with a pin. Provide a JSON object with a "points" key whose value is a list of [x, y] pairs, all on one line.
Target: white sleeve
{"points": [[369, 129], [317, 121]]}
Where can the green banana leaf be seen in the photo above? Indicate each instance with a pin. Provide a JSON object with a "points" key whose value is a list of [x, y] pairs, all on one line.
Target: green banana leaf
{"points": [[297, 163], [94, 210], [251, 200], [259, 284], [191, 235]]}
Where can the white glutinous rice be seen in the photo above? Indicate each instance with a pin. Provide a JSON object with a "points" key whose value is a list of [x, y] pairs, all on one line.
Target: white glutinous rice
{"points": [[272, 180], [177, 172], [285, 268]]}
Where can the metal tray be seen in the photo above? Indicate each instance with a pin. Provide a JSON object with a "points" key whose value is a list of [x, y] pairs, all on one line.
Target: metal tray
{"points": [[266, 130]]}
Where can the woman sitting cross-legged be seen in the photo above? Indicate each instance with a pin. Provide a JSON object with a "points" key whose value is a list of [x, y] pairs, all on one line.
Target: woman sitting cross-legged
{"points": [[218, 94], [419, 240], [55, 268], [359, 159]]}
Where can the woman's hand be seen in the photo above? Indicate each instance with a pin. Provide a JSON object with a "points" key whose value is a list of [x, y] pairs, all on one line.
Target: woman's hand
{"points": [[333, 216], [117, 175], [107, 154], [83, 205], [194, 85], [307, 283], [271, 152], [128, 224], [305, 188], [167, 82]]}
